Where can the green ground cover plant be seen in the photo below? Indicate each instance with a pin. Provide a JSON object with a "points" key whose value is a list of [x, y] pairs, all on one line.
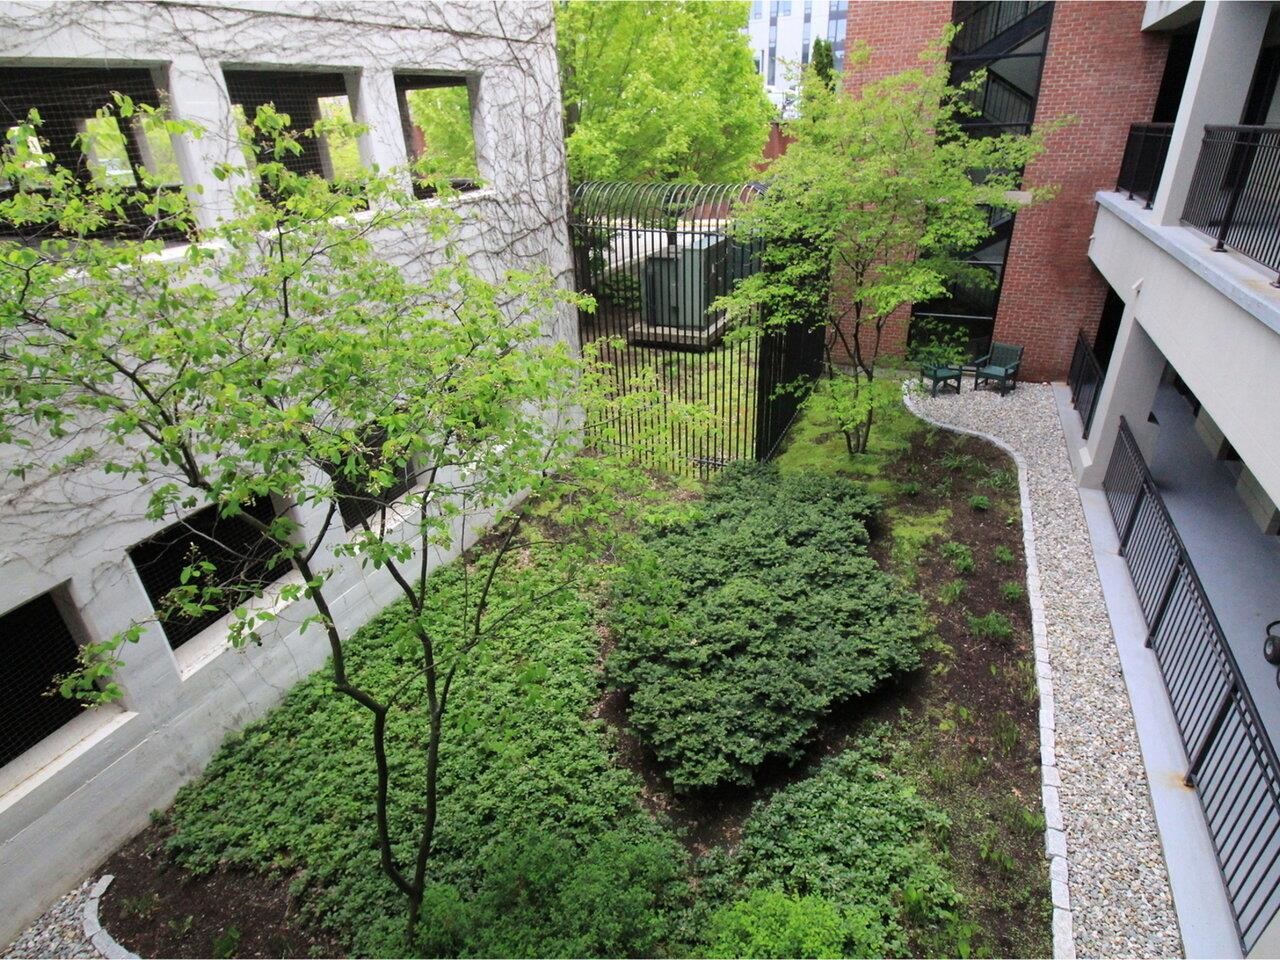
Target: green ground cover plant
{"points": [[740, 627], [905, 838], [855, 839], [593, 876]]}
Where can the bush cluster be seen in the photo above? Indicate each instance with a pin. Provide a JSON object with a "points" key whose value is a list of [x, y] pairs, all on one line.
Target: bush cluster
{"points": [[739, 627], [854, 851]]}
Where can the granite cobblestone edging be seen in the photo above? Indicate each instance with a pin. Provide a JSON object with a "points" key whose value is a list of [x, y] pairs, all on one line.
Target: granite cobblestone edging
{"points": [[1109, 887]]}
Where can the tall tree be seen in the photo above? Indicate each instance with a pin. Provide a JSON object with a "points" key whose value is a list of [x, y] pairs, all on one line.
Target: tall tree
{"points": [[879, 194], [660, 90], [287, 358], [823, 62]]}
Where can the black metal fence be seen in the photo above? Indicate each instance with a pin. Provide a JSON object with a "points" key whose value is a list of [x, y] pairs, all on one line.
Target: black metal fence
{"points": [[1234, 195], [655, 257], [1144, 155], [1085, 380], [1231, 761]]}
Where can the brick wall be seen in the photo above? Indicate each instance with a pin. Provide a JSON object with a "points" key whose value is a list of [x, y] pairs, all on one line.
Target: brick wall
{"points": [[895, 33], [774, 147], [1101, 69]]}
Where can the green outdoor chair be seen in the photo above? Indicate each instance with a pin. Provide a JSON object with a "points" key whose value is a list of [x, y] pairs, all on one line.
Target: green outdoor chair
{"points": [[938, 375], [999, 366]]}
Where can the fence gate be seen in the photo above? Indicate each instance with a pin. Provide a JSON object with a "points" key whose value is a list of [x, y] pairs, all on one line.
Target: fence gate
{"points": [[655, 256]]}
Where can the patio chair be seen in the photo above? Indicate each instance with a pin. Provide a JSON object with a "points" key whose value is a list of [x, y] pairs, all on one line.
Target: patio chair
{"points": [[940, 375], [1000, 366]]}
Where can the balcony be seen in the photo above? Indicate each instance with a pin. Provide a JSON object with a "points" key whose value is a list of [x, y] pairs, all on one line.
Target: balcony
{"points": [[1234, 195], [1204, 579], [1143, 161]]}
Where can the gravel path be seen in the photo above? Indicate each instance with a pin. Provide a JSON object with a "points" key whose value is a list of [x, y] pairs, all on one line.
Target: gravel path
{"points": [[1119, 890], [60, 931]]}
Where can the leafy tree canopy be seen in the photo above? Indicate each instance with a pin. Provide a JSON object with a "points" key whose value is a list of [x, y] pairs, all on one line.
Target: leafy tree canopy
{"points": [[883, 191], [660, 91]]}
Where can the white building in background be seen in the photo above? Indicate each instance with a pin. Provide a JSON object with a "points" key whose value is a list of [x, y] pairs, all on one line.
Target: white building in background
{"points": [[79, 561], [782, 34]]}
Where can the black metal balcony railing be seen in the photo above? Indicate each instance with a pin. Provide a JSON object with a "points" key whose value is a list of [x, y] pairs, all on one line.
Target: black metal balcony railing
{"points": [[1231, 761], [1085, 380], [1235, 192], [1143, 162]]}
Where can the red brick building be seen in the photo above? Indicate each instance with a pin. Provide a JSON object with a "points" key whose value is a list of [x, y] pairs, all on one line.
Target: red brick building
{"points": [[1086, 60]]}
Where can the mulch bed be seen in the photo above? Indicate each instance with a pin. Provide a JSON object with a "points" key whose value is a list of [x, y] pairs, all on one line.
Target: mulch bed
{"points": [[158, 909]]}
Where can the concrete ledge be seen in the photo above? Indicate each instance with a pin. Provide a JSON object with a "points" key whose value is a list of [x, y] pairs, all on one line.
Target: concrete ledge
{"points": [[1241, 281], [102, 941]]}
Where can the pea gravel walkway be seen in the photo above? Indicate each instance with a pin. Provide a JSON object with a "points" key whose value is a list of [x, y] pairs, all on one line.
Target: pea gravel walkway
{"points": [[1119, 889], [60, 930]]}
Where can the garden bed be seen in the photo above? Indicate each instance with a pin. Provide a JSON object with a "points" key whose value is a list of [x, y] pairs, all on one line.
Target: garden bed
{"points": [[271, 853]]}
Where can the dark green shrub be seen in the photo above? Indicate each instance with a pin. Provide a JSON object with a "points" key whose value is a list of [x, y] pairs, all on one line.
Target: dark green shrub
{"points": [[1004, 556], [979, 502], [951, 591], [739, 628], [858, 835], [541, 896]]}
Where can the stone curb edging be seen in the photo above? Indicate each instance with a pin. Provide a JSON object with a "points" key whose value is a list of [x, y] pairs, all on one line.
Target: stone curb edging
{"points": [[102, 941], [1055, 837]]}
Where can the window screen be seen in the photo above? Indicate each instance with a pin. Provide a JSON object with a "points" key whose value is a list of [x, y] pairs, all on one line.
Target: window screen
{"points": [[76, 129], [306, 98], [356, 503], [241, 556], [438, 133], [37, 647]]}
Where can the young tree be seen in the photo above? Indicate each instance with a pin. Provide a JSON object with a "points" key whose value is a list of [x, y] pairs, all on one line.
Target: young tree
{"points": [[285, 356], [823, 63], [879, 194], [659, 90]]}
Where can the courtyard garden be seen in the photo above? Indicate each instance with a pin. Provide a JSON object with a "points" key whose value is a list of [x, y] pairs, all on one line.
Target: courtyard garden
{"points": [[793, 715], [757, 709]]}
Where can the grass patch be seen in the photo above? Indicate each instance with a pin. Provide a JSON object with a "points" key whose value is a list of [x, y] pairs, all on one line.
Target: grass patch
{"points": [[990, 626]]}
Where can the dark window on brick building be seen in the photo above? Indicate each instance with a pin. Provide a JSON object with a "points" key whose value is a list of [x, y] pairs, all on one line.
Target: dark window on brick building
{"points": [[37, 647], [306, 98], [439, 135], [242, 558], [79, 129]]}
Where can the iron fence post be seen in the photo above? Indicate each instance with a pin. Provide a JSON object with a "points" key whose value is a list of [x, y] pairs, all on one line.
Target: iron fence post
{"points": [[1210, 734], [1165, 596]]}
